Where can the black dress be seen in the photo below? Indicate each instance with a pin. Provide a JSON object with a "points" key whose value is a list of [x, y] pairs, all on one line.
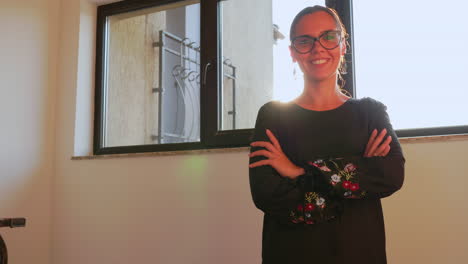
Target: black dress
{"points": [[332, 213]]}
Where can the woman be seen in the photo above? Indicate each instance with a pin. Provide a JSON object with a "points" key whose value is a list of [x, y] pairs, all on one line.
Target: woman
{"points": [[320, 164]]}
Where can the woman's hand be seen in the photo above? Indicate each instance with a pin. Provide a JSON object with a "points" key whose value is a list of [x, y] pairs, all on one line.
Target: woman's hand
{"points": [[376, 146], [276, 157]]}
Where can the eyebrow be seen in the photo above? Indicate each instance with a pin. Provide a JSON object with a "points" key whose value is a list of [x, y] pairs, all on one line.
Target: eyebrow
{"points": [[319, 33]]}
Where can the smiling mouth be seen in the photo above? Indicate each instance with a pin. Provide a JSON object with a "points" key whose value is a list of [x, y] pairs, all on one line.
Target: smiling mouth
{"points": [[317, 62]]}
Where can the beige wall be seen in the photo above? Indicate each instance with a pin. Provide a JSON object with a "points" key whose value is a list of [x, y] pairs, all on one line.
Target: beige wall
{"points": [[28, 64], [426, 219], [174, 209]]}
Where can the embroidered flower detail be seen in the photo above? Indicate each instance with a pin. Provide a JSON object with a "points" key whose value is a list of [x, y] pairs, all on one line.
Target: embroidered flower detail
{"points": [[350, 167], [319, 164], [335, 178], [354, 187], [346, 184], [307, 215], [309, 222], [309, 207], [348, 193], [314, 164], [319, 201], [298, 220], [300, 208]]}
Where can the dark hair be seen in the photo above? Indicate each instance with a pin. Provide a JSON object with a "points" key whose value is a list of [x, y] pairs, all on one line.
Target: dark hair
{"points": [[313, 9]]}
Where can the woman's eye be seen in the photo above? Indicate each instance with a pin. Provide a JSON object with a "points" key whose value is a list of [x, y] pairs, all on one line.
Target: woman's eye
{"points": [[329, 36], [303, 41]]}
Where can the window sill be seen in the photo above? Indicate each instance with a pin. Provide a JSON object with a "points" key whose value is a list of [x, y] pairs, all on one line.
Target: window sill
{"points": [[246, 149], [163, 153], [411, 140]]}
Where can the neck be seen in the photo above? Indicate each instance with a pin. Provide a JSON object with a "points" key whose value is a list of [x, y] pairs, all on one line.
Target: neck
{"points": [[321, 95]]}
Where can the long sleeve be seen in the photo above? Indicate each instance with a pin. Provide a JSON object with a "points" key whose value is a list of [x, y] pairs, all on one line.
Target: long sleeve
{"points": [[273, 194], [383, 175], [316, 217], [352, 177], [360, 177], [357, 177]]}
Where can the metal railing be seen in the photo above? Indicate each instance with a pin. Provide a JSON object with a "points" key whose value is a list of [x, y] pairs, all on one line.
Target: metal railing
{"points": [[185, 75]]}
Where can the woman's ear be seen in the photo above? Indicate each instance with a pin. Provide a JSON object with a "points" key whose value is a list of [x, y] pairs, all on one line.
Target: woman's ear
{"points": [[293, 54]]}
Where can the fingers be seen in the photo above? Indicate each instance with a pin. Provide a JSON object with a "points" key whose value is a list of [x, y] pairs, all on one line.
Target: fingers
{"points": [[273, 139], [369, 143], [272, 146], [387, 150], [259, 163], [376, 142], [264, 144], [383, 147], [377, 146], [265, 153]]}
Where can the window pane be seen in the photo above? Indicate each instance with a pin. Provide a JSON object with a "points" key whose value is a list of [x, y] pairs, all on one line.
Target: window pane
{"points": [[152, 87], [256, 64], [412, 58]]}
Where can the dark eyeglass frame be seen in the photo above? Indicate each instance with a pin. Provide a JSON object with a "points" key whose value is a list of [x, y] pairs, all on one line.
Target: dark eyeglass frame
{"points": [[315, 39]]}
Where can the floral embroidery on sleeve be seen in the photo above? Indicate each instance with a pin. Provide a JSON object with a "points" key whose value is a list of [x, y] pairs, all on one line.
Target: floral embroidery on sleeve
{"points": [[343, 176], [314, 209]]}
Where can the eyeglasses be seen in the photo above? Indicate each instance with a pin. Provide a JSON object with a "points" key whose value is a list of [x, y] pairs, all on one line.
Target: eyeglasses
{"points": [[328, 40]]}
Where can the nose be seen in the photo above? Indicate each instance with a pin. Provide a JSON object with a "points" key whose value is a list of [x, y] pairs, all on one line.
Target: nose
{"points": [[317, 47]]}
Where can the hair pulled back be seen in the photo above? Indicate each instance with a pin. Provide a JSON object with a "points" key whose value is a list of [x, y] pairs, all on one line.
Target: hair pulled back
{"points": [[344, 34]]}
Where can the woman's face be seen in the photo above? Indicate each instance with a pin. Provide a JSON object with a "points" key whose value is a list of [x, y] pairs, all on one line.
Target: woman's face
{"points": [[319, 64]]}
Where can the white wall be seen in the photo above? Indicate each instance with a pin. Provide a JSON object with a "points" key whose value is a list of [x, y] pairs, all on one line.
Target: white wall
{"points": [[28, 56], [173, 209]]}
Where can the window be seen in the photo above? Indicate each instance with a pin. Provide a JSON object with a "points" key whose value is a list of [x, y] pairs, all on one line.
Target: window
{"points": [[177, 75], [148, 75], [192, 74], [413, 61]]}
